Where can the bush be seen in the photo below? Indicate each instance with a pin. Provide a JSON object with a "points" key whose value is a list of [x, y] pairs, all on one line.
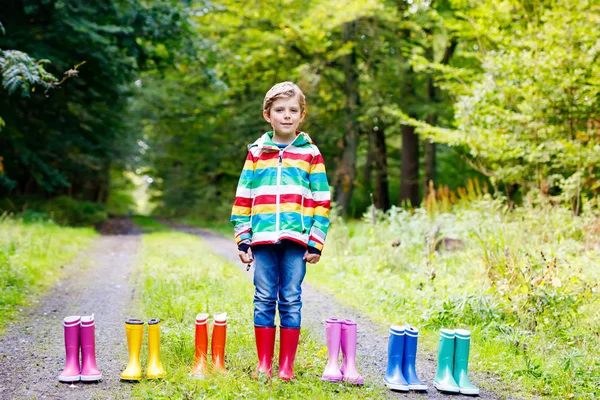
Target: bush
{"points": [[67, 211]]}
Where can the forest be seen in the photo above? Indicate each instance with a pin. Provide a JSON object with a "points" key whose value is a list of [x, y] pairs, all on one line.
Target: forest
{"points": [[461, 140]]}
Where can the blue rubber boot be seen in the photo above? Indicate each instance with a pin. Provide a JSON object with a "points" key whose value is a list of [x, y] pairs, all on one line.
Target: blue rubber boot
{"points": [[409, 370], [461, 362], [394, 379], [444, 380]]}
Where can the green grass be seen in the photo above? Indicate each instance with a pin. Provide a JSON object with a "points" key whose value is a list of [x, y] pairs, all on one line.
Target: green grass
{"points": [[32, 257], [526, 284], [180, 278]]}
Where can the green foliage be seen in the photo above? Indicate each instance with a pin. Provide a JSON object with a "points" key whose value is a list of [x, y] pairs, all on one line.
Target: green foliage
{"points": [[62, 210], [21, 73], [32, 256], [179, 277], [67, 211], [121, 195], [528, 112], [524, 282], [77, 132]]}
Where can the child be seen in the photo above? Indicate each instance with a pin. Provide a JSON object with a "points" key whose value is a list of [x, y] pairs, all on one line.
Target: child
{"points": [[281, 217]]}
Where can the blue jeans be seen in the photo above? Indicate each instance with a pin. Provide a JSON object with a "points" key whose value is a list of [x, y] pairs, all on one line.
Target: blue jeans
{"points": [[278, 274]]}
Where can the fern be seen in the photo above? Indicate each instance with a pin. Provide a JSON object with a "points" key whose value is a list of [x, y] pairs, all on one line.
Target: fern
{"points": [[21, 72]]}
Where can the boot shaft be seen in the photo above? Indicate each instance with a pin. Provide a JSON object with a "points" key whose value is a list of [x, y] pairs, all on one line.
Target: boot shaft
{"points": [[153, 338], [89, 368], [446, 347], [219, 339], [155, 369], [265, 348], [461, 362], [462, 343], [444, 379], [288, 345], [396, 344], [409, 359], [348, 344], [348, 339], [201, 335], [394, 378], [134, 330], [333, 331], [71, 330], [200, 367]]}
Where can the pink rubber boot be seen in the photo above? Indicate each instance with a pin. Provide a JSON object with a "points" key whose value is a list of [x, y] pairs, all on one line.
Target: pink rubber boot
{"points": [[71, 331], [348, 341], [333, 329], [89, 369]]}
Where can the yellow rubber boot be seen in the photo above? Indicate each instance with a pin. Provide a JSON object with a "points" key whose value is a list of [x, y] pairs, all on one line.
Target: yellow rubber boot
{"points": [[155, 369], [134, 329]]}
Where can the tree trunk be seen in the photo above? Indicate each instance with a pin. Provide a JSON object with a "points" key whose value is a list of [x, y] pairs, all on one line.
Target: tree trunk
{"points": [[430, 159], [346, 172], [409, 177], [382, 194], [369, 165], [433, 94]]}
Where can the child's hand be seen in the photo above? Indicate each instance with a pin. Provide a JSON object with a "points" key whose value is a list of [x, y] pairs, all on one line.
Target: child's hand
{"points": [[311, 258], [246, 258]]}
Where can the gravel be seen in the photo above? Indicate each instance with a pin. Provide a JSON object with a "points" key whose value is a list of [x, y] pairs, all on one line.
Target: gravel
{"points": [[32, 351]]}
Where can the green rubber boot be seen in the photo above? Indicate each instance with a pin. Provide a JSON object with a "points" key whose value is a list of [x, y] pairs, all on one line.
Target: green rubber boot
{"points": [[461, 361], [444, 380]]}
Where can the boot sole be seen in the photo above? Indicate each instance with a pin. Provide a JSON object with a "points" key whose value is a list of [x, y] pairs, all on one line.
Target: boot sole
{"points": [[449, 389], [69, 379], [91, 378], [418, 387], [403, 388], [331, 379], [473, 392]]}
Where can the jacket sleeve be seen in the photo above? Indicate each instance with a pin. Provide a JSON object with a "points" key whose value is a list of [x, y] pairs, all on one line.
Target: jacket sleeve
{"points": [[319, 188], [242, 207]]}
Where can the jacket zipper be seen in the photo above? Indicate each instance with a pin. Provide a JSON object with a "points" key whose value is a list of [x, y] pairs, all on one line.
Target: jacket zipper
{"points": [[278, 193]]}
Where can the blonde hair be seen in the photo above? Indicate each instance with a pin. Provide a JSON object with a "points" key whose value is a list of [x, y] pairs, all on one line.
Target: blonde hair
{"points": [[284, 90]]}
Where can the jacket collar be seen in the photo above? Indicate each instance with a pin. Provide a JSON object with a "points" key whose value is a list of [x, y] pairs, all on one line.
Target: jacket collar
{"points": [[266, 141]]}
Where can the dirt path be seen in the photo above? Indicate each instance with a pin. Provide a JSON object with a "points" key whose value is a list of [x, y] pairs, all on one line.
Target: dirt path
{"points": [[98, 281], [32, 348], [372, 336]]}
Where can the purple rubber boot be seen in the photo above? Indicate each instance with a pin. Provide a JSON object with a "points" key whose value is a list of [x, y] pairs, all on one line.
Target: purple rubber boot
{"points": [[71, 331], [348, 341], [89, 369], [333, 328]]}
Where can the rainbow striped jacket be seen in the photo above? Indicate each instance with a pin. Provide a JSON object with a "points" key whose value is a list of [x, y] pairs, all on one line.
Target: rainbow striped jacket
{"points": [[282, 194]]}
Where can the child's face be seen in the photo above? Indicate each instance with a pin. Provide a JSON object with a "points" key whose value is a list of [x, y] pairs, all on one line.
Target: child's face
{"points": [[285, 116]]}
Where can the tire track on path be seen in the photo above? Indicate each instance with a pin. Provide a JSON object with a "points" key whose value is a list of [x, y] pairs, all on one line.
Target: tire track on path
{"points": [[372, 336], [32, 347]]}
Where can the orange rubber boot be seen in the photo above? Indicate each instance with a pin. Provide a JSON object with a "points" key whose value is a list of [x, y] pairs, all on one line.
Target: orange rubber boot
{"points": [[200, 364], [219, 337]]}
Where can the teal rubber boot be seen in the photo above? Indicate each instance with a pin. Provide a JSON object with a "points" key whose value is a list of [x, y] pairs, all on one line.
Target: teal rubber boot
{"points": [[461, 362], [444, 379]]}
